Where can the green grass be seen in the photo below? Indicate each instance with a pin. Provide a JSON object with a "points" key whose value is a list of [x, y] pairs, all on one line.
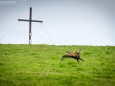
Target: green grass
{"points": [[39, 65]]}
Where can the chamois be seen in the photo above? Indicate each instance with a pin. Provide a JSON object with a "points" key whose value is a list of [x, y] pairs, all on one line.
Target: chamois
{"points": [[75, 55]]}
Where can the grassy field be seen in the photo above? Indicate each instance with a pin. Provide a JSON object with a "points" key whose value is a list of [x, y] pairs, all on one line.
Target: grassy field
{"points": [[39, 65]]}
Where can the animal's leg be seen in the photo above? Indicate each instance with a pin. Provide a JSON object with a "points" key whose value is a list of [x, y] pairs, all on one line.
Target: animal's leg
{"points": [[78, 60], [81, 59], [62, 58]]}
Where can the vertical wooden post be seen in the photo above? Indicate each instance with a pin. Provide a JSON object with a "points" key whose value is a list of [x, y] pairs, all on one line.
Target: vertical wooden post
{"points": [[30, 33]]}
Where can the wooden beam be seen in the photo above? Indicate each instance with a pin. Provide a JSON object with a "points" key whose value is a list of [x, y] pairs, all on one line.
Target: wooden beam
{"points": [[30, 24], [31, 20]]}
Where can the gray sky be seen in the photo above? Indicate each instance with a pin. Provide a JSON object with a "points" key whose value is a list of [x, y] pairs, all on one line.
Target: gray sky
{"points": [[66, 22]]}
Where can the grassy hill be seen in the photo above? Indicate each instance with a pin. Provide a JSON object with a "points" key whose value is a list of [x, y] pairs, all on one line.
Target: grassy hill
{"points": [[39, 65]]}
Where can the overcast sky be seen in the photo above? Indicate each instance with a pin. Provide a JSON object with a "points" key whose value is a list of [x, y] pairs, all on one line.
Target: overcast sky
{"points": [[65, 22]]}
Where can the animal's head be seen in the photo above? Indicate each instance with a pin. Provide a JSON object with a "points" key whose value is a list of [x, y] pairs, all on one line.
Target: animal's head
{"points": [[78, 51]]}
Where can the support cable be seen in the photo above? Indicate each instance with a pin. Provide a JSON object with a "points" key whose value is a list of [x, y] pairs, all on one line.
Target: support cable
{"points": [[25, 35], [11, 29], [41, 36], [47, 34], [30, 3]]}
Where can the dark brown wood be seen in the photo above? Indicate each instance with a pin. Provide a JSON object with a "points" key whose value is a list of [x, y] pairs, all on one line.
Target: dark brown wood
{"points": [[30, 23], [29, 20]]}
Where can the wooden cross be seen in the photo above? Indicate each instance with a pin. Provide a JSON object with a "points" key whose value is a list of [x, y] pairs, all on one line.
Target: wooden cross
{"points": [[30, 23]]}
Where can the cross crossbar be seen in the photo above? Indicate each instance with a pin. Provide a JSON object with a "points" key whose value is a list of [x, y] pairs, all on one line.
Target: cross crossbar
{"points": [[30, 20]]}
